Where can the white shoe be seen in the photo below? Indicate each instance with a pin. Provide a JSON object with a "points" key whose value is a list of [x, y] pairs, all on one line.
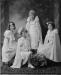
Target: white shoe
{"points": [[30, 65], [14, 66]]}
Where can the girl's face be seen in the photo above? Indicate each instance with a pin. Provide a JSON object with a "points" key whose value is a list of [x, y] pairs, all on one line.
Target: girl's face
{"points": [[24, 34], [11, 27], [50, 27], [31, 15]]}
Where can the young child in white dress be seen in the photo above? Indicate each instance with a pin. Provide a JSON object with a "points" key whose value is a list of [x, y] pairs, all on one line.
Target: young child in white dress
{"points": [[23, 49], [9, 43]]}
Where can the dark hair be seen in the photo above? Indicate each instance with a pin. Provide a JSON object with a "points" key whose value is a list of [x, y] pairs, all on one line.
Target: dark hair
{"points": [[12, 24], [52, 23], [24, 30]]}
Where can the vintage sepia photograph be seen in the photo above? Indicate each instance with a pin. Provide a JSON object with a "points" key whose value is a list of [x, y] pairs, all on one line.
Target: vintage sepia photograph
{"points": [[30, 37]]}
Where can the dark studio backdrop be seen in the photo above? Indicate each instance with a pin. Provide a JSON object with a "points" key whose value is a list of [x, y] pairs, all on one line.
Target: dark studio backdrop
{"points": [[17, 11]]}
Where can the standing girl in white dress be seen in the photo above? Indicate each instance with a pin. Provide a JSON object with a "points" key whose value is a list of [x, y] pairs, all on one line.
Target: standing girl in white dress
{"points": [[34, 30], [9, 44], [51, 47]]}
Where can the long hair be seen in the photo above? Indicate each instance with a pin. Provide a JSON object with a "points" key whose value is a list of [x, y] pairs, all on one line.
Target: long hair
{"points": [[10, 25]]}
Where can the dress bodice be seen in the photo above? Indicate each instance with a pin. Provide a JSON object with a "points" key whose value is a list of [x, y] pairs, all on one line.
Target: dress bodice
{"points": [[23, 44], [50, 36]]}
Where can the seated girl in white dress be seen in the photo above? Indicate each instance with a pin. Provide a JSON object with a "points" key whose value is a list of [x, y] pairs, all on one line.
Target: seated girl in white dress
{"points": [[51, 47], [9, 44], [23, 49]]}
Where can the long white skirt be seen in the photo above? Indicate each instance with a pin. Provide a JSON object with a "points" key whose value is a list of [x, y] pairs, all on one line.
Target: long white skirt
{"points": [[20, 59], [8, 51], [52, 49]]}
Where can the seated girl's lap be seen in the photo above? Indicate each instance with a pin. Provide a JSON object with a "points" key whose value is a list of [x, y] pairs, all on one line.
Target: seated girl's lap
{"points": [[25, 54]]}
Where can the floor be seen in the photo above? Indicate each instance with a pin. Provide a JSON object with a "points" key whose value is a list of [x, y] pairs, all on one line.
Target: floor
{"points": [[52, 69], [48, 70]]}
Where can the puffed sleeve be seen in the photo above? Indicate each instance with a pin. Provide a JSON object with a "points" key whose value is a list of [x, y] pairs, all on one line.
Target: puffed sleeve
{"points": [[28, 19], [37, 19], [56, 31], [7, 34]]}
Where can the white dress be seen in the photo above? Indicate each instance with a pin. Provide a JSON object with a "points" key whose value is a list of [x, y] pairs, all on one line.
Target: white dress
{"points": [[51, 47], [34, 30], [9, 46], [22, 52]]}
